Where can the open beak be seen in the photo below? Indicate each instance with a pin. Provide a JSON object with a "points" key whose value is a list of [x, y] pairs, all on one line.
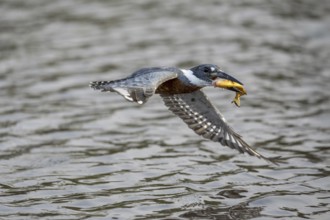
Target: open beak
{"points": [[223, 80]]}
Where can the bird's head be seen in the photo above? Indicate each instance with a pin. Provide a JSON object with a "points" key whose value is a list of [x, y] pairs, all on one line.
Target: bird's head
{"points": [[212, 75]]}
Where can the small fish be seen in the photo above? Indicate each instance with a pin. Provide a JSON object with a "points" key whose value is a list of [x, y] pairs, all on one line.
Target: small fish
{"points": [[234, 86], [237, 100]]}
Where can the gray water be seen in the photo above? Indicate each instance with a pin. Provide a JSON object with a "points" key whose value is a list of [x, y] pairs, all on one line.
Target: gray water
{"points": [[68, 152]]}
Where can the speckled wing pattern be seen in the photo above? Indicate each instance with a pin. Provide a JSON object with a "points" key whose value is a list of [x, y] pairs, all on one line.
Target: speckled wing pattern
{"points": [[140, 85], [201, 116]]}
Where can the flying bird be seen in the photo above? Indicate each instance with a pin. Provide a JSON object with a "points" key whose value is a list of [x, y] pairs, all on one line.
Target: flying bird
{"points": [[181, 92]]}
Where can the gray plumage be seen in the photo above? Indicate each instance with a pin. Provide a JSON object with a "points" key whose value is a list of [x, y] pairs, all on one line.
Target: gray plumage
{"points": [[189, 103], [140, 85]]}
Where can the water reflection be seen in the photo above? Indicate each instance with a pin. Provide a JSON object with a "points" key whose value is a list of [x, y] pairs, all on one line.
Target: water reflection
{"points": [[240, 211]]}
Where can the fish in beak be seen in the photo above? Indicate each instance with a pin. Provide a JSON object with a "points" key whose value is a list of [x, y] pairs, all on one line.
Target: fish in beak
{"points": [[226, 81]]}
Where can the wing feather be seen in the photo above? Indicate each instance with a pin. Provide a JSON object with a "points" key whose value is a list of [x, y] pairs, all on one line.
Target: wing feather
{"points": [[201, 116]]}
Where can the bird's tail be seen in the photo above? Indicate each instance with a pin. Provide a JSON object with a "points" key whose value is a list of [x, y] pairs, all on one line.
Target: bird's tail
{"points": [[123, 87], [102, 85]]}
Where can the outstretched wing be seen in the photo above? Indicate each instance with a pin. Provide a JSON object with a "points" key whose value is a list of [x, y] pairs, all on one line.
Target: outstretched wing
{"points": [[201, 116], [140, 85]]}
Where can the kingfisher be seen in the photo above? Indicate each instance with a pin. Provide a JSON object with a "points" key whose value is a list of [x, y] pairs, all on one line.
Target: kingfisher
{"points": [[181, 92]]}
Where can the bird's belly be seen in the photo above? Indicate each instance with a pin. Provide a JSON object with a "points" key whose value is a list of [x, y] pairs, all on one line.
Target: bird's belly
{"points": [[175, 86]]}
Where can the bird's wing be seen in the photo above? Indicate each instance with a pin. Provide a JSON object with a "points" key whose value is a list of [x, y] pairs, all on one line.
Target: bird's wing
{"points": [[140, 85], [201, 116]]}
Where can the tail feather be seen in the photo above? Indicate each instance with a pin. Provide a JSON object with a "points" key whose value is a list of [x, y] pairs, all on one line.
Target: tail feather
{"points": [[132, 94], [101, 85]]}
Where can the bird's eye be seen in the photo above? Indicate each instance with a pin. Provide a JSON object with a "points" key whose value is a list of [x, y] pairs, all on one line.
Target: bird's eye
{"points": [[207, 70]]}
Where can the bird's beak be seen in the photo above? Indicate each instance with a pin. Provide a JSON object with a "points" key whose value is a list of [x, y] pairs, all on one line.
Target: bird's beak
{"points": [[223, 80]]}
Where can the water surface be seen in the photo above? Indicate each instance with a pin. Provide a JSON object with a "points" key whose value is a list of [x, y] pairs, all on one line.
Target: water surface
{"points": [[67, 152]]}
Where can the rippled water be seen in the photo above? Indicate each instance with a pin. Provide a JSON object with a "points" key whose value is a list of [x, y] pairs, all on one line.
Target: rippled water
{"points": [[68, 152]]}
